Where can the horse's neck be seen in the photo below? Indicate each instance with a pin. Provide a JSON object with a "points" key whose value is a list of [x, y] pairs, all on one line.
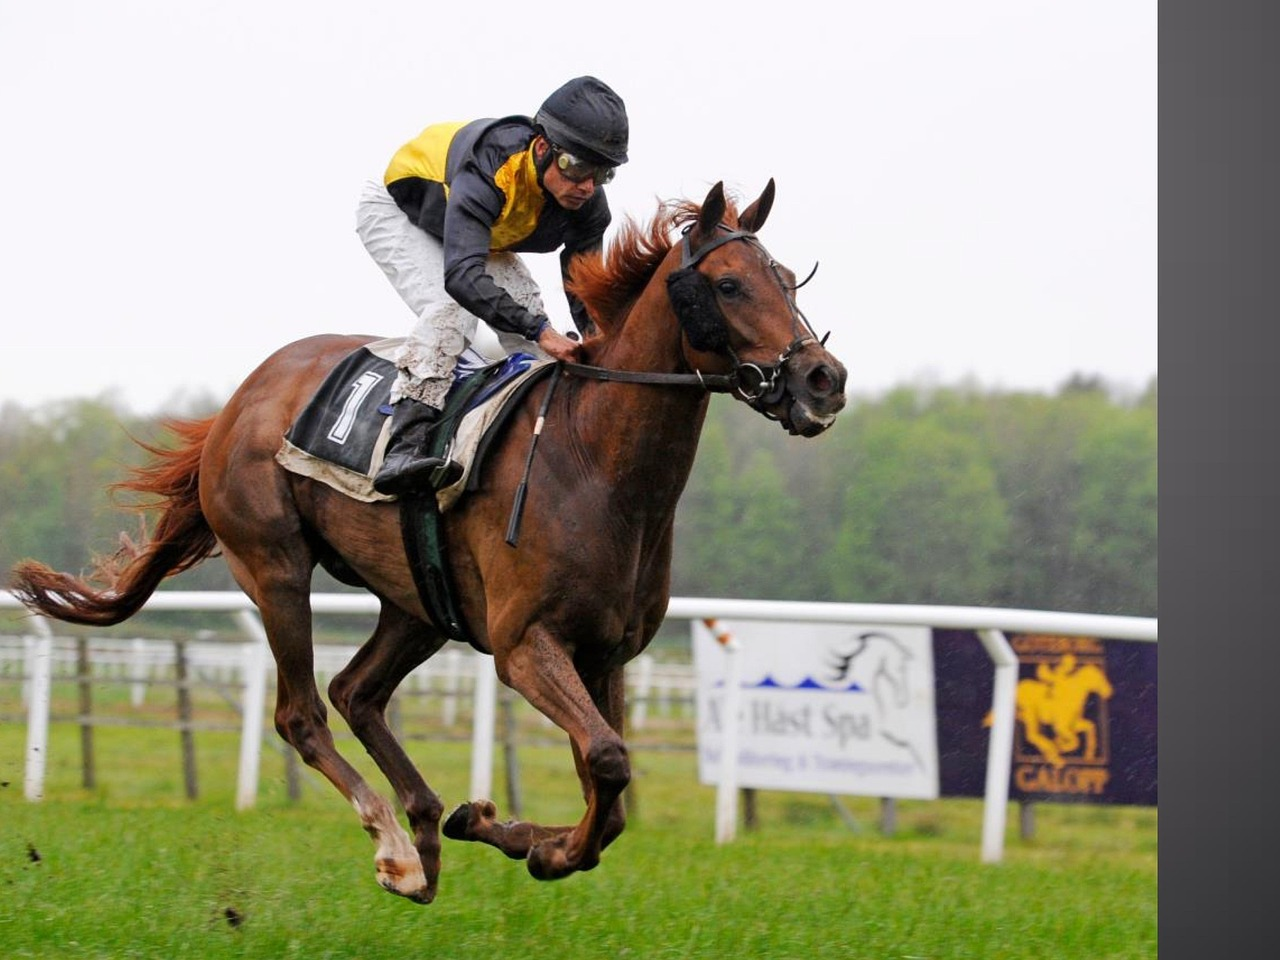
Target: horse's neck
{"points": [[644, 436], [648, 335]]}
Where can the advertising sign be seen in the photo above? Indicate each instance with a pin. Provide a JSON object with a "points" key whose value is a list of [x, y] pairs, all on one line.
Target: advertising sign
{"points": [[828, 708], [1085, 718]]}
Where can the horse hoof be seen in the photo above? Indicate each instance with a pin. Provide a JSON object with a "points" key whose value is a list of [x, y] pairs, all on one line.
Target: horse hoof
{"points": [[405, 881], [455, 828], [463, 822], [423, 895], [548, 861]]}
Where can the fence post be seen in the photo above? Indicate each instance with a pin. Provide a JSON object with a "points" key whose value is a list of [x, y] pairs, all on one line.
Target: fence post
{"points": [[509, 751], [41, 680], [292, 774], [483, 698], [137, 671], [254, 653], [642, 690], [1000, 746], [87, 776], [888, 816], [452, 685], [750, 818], [186, 734]]}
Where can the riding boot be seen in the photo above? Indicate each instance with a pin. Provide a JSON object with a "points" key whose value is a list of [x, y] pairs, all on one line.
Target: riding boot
{"points": [[404, 468]]}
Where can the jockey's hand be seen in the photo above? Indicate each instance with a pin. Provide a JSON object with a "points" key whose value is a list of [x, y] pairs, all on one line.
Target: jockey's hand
{"points": [[558, 346]]}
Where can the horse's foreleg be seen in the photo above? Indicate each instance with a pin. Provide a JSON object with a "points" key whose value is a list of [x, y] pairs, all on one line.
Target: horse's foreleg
{"points": [[609, 695], [541, 670], [361, 692], [477, 820]]}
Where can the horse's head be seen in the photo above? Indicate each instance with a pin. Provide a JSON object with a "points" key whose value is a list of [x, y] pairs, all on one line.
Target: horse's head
{"points": [[738, 314]]}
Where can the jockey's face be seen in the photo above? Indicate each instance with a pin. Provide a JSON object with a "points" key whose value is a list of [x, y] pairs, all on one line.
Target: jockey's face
{"points": [[570, 194]]}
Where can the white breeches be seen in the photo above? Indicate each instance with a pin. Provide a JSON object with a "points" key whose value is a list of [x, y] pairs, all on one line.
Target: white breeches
{"points": [[413, 261]]}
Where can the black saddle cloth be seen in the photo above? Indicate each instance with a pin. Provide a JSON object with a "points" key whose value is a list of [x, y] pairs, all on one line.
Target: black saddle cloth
{"points": [[343, 420]]}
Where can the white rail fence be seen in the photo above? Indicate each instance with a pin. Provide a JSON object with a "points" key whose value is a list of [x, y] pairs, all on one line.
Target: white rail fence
{"points": [[140, 663], [249, 664]]}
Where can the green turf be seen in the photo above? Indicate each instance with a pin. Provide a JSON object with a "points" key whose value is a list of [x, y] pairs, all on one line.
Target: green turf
{"points": [[133, 869]]}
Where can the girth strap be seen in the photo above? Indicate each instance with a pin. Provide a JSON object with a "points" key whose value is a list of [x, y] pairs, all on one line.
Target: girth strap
{"points": [[422, 526]]}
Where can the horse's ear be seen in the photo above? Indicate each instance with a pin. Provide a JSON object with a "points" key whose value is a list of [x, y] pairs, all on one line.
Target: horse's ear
{"points": [[754, 216], [712, 210]]}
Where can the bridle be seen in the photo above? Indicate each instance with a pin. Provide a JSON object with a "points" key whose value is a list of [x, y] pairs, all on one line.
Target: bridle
{"points": [[759, 385]]}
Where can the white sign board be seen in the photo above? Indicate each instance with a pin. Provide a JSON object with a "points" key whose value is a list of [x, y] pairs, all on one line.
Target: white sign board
{"points": [[827, 708]]}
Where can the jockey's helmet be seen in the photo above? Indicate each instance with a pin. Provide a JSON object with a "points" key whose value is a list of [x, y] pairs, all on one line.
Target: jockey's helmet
{"points": [[586, 117]]}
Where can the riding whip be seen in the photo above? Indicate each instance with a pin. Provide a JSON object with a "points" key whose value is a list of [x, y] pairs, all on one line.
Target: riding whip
{"points": [[517, 507]]}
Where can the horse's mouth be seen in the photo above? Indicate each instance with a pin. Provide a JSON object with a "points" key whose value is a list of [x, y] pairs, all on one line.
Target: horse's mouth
{"points": [[800, 423], [810, 416], [814, 396]]}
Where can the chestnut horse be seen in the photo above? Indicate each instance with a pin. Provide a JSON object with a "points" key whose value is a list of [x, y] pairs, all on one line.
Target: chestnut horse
{"points": [[561, 613]]}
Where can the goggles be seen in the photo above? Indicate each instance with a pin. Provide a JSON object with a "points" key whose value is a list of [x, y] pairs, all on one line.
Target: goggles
{"points": [[576, 170]]}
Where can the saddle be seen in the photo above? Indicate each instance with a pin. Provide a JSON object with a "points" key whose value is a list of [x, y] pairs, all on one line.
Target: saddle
{"points": [[340, 438]]}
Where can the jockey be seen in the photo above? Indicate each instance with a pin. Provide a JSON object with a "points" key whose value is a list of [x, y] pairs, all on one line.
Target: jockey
{"points": [[455, 207]]}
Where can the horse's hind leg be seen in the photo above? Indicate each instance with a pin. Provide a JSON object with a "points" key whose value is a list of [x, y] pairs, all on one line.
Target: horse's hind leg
{"points": [[282, 594], [361, 692]]}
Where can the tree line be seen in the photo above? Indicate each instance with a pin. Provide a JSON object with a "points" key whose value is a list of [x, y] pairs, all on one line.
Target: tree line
{"points": [[925, 494], [932, 496]]}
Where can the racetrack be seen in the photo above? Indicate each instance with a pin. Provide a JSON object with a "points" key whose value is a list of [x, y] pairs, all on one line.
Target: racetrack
{"points": [[131, 869]]}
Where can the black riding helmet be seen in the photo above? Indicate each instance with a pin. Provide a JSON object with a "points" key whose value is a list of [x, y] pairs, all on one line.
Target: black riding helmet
{"points": [[585, 117]]}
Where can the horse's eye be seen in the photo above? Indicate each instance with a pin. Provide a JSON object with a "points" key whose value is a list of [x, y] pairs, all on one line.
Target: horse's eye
{"points": [[728, 287]]}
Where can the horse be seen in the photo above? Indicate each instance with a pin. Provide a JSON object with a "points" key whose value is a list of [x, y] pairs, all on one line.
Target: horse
{"points": [[677, 318]]}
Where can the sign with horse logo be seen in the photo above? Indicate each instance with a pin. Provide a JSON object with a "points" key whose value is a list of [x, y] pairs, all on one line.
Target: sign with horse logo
{"points": [[1085, 718], [828, 708], [1062, 742]]}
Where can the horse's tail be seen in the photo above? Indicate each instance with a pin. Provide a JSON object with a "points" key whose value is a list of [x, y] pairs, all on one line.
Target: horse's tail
{"points": [[181, 540]]}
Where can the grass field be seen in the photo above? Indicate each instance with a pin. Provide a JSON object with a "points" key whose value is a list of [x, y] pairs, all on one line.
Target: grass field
{"points": [[132, 869]]}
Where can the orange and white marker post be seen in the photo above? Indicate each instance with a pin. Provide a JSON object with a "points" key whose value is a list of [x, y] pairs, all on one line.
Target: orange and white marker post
{"points": [[727, 790]]}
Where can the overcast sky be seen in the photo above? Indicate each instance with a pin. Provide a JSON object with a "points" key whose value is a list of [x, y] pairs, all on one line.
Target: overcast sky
{"points": [[178, 179]]}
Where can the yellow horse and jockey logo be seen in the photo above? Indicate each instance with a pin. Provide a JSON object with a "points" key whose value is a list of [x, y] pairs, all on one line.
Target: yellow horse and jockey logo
{"points": [[1053, 709]]}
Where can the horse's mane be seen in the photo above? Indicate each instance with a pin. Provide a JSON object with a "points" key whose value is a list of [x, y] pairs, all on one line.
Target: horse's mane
{"points": [[607, 285]]}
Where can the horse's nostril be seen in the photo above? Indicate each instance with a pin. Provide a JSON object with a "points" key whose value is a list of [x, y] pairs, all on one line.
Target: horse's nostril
{"points": [[820, 381]]}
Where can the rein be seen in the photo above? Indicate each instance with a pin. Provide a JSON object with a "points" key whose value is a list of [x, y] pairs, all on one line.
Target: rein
{"points": [[711, 382]]}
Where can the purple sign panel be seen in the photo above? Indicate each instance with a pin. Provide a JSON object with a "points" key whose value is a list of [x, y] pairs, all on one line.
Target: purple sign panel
{"points": [[1086, 718]]}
